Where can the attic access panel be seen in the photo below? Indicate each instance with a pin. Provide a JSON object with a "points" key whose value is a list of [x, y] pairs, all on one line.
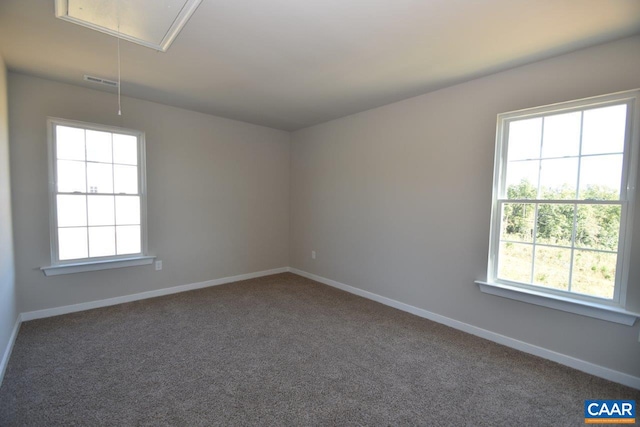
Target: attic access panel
{"points": [[151, 23]]}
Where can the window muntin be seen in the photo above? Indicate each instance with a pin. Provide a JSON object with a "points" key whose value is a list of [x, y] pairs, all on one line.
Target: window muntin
{"points": [[97, 193], [561, 202]]}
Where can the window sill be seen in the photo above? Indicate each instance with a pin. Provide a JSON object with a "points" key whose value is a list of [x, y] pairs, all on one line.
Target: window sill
{"points": [[585, 308], [56, 270]]}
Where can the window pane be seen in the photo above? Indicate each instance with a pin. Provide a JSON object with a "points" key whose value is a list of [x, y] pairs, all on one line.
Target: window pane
{"points": [[72, 210], [522, 179], [125, 149], [558, 178], [594, 273], [600, 177], [128, 239], [524, 139], [127, 210], [603, 130], [71, 176], [126, 179], [69, 143], [102, 241], [100, 177], [552, 267], [514, 262], [101, 210], [598, 227], [72, 243], [99, 146], [517, 221], [555, 224], [561, 135]]}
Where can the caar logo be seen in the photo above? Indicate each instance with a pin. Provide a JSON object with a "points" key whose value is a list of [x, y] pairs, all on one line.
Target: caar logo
{"points": [[609, 411]]}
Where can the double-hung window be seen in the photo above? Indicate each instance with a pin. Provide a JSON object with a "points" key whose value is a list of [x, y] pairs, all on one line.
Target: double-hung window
{"points": [[564, 180], [97, 197]]}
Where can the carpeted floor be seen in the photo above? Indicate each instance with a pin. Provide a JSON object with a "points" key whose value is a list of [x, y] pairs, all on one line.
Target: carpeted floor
{"points": [[279, 350]]}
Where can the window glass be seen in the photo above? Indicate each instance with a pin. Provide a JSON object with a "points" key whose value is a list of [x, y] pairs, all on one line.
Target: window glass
{"points": [[70, 143], [568, 167], [97, 200]]}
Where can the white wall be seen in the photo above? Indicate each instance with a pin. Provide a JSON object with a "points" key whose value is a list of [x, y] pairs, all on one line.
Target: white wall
{"points": [[218, 194], [396, 201], [8, 299]]}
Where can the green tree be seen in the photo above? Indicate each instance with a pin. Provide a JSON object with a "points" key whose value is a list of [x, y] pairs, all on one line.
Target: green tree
{"points": [[597, 226], [518, 217]]}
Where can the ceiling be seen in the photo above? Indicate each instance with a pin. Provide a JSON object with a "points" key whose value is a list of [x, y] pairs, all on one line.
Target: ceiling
{"points": [[289, 64]]}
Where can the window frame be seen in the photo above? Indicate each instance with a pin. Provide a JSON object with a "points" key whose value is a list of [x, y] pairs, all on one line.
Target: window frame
{"points": [[104, 262], [548, 296]]}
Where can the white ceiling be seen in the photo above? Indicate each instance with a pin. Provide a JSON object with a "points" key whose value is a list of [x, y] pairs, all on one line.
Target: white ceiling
{"points": [[289, 64]]}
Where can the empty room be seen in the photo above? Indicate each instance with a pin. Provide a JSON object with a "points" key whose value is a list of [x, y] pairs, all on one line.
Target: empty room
{"points": [[340, 212]]}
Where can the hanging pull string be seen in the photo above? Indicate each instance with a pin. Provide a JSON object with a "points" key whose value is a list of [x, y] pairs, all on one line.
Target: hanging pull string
{"points": [[119, 80]]}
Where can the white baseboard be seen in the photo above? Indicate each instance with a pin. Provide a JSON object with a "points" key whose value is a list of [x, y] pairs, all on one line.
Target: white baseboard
{"points": [[7, 351], [56, 311], [572, 362], [581, 365]]}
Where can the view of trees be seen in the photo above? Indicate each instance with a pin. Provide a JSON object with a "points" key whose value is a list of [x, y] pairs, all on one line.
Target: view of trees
{"points": [[552, 235], [597, 226]]}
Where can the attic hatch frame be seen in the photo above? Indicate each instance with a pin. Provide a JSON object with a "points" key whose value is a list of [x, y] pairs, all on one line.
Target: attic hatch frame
{"points": [[62, 12]]}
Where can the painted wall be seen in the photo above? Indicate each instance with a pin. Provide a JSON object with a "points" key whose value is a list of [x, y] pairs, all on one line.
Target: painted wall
{"points": [[8, 299], [218, 194], [397, 200]]}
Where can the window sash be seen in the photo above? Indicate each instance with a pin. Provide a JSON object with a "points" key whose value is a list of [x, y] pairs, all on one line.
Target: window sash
{"points": [[625, 201], [52, 124], [573, 247]]}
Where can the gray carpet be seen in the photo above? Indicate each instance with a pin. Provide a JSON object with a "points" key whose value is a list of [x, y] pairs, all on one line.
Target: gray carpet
{"points": [[279, 350]]}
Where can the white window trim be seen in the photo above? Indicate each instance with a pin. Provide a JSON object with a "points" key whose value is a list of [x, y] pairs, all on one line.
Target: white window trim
{"points": [[558, 302], [610, 310], [58, 267], [80, 267]]}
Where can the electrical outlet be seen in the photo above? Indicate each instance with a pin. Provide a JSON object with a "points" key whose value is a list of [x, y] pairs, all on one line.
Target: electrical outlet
{"points": [[313, 254], [158, 265]]}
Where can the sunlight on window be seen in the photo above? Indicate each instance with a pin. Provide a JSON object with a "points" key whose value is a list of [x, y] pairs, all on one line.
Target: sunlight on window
{"points": [[558, 178], [558, 161], [70, 143], [600, 177], [125, 179], [72, 243], [604, 129], [72, 210], [525, 176], [101, 210], [102, 241], [525, 139], [125, 149], [71, 176], [561, 135], [100, 177], [99, 148], [128, 210], [128, 237], [98, 200]]}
